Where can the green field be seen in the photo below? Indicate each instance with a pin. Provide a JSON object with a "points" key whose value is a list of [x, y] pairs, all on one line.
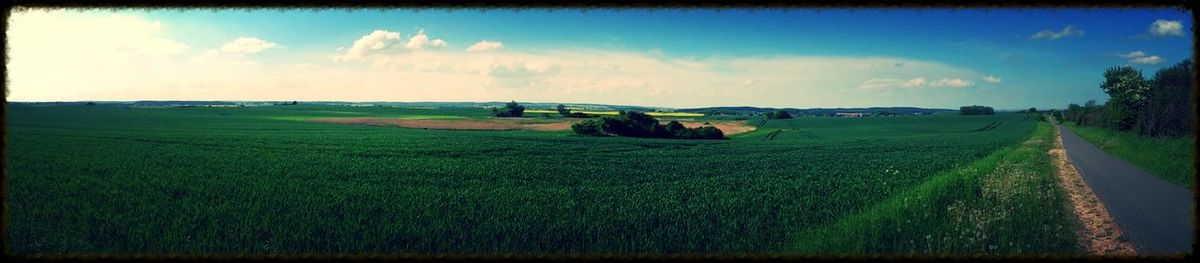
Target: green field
{"points": [[1169, 158], [261, 179]]}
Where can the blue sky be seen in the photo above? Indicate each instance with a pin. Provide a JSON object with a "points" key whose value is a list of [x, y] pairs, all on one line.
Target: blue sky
{"points": [[674, 57]]}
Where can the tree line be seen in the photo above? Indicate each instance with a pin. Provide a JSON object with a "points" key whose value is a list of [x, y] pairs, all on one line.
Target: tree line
{"points": [[1159, 106], [976, 110]]}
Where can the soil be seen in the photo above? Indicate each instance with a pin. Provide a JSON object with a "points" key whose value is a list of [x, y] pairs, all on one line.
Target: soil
{"points": [[1100, 234]]}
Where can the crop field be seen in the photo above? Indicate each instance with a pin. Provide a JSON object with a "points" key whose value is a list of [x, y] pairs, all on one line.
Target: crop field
{"points": [[264, 179]]}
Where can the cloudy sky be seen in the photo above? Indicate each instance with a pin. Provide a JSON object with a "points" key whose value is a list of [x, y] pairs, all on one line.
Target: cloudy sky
{"points": [[1006, 58]]}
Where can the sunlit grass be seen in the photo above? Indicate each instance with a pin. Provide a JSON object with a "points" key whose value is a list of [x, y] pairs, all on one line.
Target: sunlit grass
{"points": [[1169, 158]]}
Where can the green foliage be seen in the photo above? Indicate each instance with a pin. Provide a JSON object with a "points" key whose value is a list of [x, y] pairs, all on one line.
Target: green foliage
{"points": [[260, 180], [511, 109], [1127, 91], [1157, 107], [1168, 107], [562, 110], [1008, 202], [976, 110], [638, 124], [592, 127], [778, 115], [1169, 158]]}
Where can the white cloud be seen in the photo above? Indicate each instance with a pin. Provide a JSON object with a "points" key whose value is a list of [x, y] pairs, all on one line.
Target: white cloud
{"points": [[953, 83], [485, 46], [1135, 54], [247, 45], [1052, 35], [383, 42], [1139, 57], [991, 79], [373, 42], [1146, 60], [877, 84], [380, 67], [1162, 27], [421, 41], [57, 53]]}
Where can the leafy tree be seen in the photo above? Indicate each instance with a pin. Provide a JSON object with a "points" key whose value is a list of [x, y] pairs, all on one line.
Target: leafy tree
{"points": [[1033, 110], [1167, 110], [563, 110], [592, 127], [1127, 91], [779, 114], [511, 109]]}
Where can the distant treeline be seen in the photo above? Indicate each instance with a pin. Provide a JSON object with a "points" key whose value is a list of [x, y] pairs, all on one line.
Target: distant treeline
{"points": [[976, 110], [1160, 106], [637, 124], [884, 111]]}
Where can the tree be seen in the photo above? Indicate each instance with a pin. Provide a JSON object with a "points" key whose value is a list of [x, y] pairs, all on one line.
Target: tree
{"points": [[592, 127], [637, 124], [563, 110], [295, 102], [1033, 110], [976, 110], [779, 114], [1167, 110], [511, 109], [1127, 91], [782, 114]]}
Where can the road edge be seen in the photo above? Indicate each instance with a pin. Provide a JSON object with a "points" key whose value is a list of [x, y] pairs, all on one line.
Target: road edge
{"points": [[1099, 233]]}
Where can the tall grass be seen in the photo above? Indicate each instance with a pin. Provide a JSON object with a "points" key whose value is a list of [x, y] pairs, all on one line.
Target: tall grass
{"points": [[1008, 202], [1169, 158]]}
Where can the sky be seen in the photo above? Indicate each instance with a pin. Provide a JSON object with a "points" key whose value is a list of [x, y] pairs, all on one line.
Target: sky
{"points": [[802, 58]]}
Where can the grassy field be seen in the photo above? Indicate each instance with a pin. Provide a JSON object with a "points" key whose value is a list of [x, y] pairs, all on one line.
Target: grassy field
{"points": [[261, 179], [1168, 158]]}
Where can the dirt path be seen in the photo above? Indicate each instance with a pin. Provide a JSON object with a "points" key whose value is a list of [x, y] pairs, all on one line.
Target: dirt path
{"points": [[729, 128], [1155, 215], [1100, 234]]}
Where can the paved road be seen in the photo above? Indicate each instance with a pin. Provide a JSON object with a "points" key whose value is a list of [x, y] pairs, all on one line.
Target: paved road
{"points": [[1154, 214]]}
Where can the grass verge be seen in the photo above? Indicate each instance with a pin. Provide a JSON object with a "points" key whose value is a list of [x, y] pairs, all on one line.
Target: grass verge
{"points": [[1168, 158], [1008, 202]]}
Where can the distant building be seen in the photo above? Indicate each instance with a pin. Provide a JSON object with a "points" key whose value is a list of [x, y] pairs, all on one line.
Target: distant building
{"points": [[848, 114]]}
